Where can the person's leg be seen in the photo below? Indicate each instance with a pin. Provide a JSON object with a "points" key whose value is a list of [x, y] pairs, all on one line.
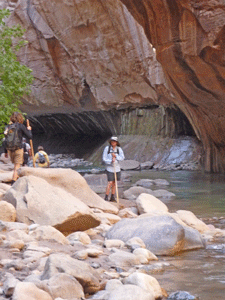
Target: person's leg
{"points": [[15, 175], [109, 185], [18, 161], [113, 191]]}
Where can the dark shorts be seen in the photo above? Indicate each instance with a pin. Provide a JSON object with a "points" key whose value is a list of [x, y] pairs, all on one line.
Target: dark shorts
{"points": [[111, 177]]}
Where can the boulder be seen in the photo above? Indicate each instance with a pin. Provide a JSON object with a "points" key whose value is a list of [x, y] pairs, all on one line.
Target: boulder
{"points": [[7, 212], [133, 192], [131, 292], [191, 220], [63, 263], [148, 203], [146, 183], [73, 183], [129, 165], [163, 194], [146, 282], [28, 290], [67, 290], [123, 259], [147, 165], [37, 201], [162, 235]]}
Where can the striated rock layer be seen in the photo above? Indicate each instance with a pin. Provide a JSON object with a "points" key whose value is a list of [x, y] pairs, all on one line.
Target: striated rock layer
{"points": [[97, 55]]}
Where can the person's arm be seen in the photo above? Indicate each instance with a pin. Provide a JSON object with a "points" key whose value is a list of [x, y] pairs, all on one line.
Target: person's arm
{"points": [[26, 131], [107, 158], [120, 156]]}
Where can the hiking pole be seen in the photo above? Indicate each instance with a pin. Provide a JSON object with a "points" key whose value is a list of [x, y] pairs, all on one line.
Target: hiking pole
{"points": [[117, 196], [31, 145]]}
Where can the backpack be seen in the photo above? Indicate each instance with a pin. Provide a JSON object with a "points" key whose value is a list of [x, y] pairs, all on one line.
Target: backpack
{"points": [[41, 158], [12, 139], [109, 149]]}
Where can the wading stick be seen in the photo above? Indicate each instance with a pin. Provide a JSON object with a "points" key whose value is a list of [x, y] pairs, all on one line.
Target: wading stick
{"points": [[31, 146], [117, 196]]}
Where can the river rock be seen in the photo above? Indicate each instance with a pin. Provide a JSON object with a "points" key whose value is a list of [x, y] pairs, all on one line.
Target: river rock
{"points": [[79, 236], [73, 183], [162, 235], [28, 290], [133, 192], [64, 286], [146, 183], [129, 165], [181, 295], [191, 220], [37, 201], [123, 259], [49, 233], [63, 263], [131, 292], [147, 165], [7, 212], [146, 282], [163, 194], [148, 203]]}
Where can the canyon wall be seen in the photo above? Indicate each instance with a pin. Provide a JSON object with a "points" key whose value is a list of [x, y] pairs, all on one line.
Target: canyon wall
{"points": [[92, 55]]}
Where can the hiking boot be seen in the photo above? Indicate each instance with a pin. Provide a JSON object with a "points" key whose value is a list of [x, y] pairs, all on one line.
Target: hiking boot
{"points": [[106, 198], [112, 198]]}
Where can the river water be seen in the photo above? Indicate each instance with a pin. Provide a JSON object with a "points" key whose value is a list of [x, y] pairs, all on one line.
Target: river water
{"points": [[200, 272]]}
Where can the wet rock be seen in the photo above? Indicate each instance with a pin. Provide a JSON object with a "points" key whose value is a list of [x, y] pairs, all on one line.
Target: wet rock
{"points": [[181, 295], [123, 259], [146, 183], [133, 192], [147, 165]]}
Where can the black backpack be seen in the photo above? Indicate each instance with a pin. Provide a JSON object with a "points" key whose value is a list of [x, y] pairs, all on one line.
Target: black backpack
{"points": [[12, 139], [41, 158]]}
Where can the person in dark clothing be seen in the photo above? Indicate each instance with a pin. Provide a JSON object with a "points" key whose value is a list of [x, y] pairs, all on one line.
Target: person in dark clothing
{"points": [[26, 151], [16, 156]]}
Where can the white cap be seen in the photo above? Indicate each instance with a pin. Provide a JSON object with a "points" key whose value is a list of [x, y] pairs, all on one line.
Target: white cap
{"points": [[114, 138]]}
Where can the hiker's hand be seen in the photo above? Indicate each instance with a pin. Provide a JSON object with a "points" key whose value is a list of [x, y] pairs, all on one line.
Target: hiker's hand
{"points": [[114, 155], [29, 128], [113, 159]]}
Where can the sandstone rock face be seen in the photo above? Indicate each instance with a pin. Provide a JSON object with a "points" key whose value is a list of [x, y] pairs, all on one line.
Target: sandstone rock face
{"points": [[116, 54]]}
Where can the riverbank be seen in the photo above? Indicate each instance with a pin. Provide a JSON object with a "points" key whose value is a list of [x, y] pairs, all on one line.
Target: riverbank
{"points": [[25, 255]]}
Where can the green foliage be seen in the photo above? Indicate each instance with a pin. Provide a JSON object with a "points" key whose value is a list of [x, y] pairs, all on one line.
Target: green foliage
{"points": [[15, 78]]}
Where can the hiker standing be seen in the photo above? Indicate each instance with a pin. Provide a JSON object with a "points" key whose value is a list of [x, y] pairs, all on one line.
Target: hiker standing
{"points": [[26, 151], [42, 157], [112, 154], [13, 141]]}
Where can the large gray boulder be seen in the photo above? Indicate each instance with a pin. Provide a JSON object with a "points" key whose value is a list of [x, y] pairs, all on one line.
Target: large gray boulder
{"points": [[162, 235], [36, 201], [72, 182]]}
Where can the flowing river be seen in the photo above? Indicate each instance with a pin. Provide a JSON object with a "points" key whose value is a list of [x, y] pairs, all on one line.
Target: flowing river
{"points": [[200, 272]]}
